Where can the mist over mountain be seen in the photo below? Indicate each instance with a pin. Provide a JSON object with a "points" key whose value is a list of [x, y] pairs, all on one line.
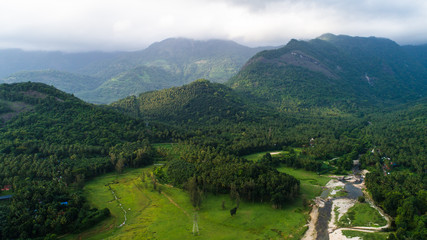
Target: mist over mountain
{"points": [[172, 62], [15, 60], [66, 81]]}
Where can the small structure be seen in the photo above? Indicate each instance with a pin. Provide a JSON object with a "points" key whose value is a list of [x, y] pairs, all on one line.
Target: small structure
{"points": [[195, 225], [6, 188], [6, 197]]}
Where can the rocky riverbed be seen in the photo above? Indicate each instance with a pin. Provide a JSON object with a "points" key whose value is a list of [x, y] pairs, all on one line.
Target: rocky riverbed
{"points": [[339, 195]]}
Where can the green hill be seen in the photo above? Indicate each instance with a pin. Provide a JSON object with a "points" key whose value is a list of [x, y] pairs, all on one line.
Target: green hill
{"points": [[200, 101], [335, 72]]}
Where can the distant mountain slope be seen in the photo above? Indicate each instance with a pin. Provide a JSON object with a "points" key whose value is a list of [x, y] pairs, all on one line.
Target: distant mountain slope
{"points": [[418, 52], [172, 62], [65, 81], [333, 71], [199, 101], [216, 60], [132, 82], [15, 60]]}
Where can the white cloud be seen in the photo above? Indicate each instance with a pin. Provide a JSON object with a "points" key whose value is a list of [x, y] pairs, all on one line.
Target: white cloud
{"points": [[133, 24]]}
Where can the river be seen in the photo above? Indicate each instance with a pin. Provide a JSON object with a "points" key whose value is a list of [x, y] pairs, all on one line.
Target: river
{"points": [[322, 225]]}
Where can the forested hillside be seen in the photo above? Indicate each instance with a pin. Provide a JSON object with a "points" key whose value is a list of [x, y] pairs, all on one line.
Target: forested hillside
{"points": [[50, 142], [199, 101], [334, 72], [212, 114], [398, 165]]}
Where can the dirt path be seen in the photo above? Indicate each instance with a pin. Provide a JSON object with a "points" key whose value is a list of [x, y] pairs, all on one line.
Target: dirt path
{"points": [[174, 203]]}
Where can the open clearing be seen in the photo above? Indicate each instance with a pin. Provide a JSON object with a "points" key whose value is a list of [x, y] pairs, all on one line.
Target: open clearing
{"points": [[362, 215], [169, 214], [257, 156]]}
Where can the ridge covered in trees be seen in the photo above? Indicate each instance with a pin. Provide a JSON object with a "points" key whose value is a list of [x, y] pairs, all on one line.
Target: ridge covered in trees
{"points": [[49, 148]]}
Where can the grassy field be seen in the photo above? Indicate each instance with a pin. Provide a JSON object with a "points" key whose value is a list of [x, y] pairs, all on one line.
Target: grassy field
{"points": [[169, 214], [365, 235], [257, 156], [311, 183], [362, 215]]}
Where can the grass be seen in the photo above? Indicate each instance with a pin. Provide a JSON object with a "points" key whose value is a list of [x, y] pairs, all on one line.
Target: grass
{"points": [[362, 215], [167, 146], [365, 235], [155, 216], [311, 183], [257, 156]]}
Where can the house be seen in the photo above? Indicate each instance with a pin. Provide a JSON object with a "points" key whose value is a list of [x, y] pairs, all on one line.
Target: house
{"points": [[6, 188]]}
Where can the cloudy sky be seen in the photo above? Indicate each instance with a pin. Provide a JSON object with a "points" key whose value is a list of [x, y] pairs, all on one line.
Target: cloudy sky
{"points": [[111, 25]]}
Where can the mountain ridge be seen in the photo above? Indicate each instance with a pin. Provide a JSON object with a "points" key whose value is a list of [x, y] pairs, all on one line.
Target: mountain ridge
{"points": [[352, 70]]}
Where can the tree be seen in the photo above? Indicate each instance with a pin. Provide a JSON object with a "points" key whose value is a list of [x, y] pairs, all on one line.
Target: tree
{"points": [[195, 192], [120, 164]]}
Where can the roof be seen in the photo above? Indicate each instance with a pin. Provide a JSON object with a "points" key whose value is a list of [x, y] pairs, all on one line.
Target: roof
{"points": [[5, 197]]}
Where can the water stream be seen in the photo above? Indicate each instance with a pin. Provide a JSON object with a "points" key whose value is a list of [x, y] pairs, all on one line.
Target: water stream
{"points": [[325, 212]]}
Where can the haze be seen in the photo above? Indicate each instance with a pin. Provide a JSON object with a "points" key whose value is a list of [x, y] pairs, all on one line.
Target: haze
{"points": [[108, 25]]}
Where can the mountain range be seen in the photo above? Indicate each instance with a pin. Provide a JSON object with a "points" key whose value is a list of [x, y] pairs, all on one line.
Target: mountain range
{"points": [[111, 76]]}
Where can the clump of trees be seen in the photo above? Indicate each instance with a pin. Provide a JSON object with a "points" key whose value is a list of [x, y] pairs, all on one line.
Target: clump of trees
{"points": [[210, 170]]}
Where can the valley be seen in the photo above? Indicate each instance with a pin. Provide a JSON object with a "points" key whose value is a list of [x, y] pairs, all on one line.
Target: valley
{"points": [[267, 142], [167, 210]]}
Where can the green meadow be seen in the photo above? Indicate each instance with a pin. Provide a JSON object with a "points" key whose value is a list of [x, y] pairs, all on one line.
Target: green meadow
{"points": [[169, 214], [257, 156], [311, 183], [362, 215]]}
